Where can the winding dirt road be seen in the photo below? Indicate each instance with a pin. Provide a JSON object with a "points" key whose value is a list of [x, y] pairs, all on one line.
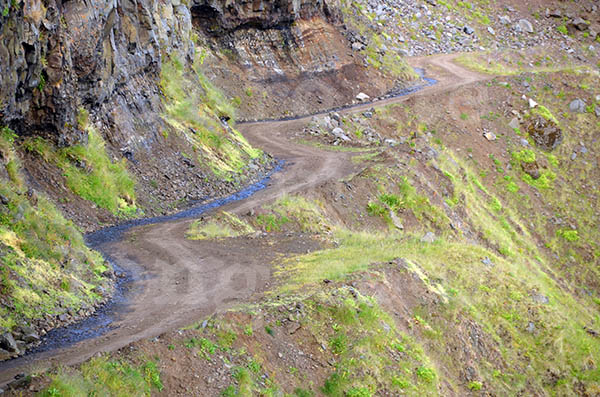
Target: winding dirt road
{"points": [[178, 281]]}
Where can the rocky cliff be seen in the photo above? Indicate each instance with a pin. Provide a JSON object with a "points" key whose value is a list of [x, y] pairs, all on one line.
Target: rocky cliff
{"points": [[58, 56]]}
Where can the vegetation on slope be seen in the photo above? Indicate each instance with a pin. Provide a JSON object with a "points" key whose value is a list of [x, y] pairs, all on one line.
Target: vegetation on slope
{"points": [[201, 113], [103, 377], [89, 172], [46, 268]]}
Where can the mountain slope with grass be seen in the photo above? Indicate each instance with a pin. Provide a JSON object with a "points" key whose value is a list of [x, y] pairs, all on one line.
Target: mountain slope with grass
{"points": [[443, 242]]}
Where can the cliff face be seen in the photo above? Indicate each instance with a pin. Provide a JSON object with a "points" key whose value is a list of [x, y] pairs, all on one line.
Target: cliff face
{"points": [[221, 16], [57, 56]]}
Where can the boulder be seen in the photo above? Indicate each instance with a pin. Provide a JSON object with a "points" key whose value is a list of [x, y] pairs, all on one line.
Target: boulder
{"points": [[514, 123], [545, 133], [363, 97], [339, 133], [580, 24], [8, 343], [577, 106], [525, 26]]}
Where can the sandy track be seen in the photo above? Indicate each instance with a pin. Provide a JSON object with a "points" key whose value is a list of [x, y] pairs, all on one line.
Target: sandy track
{"points": [[178, 281]]}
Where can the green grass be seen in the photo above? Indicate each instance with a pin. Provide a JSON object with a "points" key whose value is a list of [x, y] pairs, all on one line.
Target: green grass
{"points": [[485, 62], [194, 108], [220, 225], [497, 298], [292, 211], [37, 241], [101, 377], [545, 113], [361, 335], [91, 174]]}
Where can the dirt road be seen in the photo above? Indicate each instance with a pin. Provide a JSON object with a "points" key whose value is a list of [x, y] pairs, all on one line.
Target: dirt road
{"points": [[178, 281]]}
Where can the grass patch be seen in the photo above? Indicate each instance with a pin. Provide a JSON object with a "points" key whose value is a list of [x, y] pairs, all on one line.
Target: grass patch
{"points": [[198, 110], [102, 377], [221, 225], [37, 242]]}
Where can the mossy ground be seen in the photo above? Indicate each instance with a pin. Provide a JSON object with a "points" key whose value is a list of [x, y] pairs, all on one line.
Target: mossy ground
{"points": [[103, 377]]}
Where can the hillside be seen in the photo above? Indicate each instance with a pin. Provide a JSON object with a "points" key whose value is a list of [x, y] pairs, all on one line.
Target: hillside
{"points": [[417, 207]]}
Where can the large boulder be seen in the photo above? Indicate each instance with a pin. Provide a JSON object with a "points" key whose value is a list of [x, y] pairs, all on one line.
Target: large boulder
{"points": [[545, 133], [577, 106], [525, 26], [8, 343]]}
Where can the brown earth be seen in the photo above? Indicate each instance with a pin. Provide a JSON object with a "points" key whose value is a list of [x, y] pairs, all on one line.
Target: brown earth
{"points": [[178, 281]]}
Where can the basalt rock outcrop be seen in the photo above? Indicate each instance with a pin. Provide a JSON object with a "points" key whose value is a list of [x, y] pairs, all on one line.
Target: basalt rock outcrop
{"points": [[218, 17], [58, 56]]}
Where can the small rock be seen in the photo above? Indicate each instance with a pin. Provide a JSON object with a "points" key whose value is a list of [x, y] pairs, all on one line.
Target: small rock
{"points": [[396, 221], [363, 97], [532, 103], [357, 46], [577, 105], [524, 142], [554, 13], [468, 30], [488, 262], [505, 20], [531, 327], [491, 31], [339, 133], [531, 169], [580, 24], [539, 298], [525, 26], [597, 110], [514, 123], [5, 355], [429, 237], [490, 136], [292, 327]]}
